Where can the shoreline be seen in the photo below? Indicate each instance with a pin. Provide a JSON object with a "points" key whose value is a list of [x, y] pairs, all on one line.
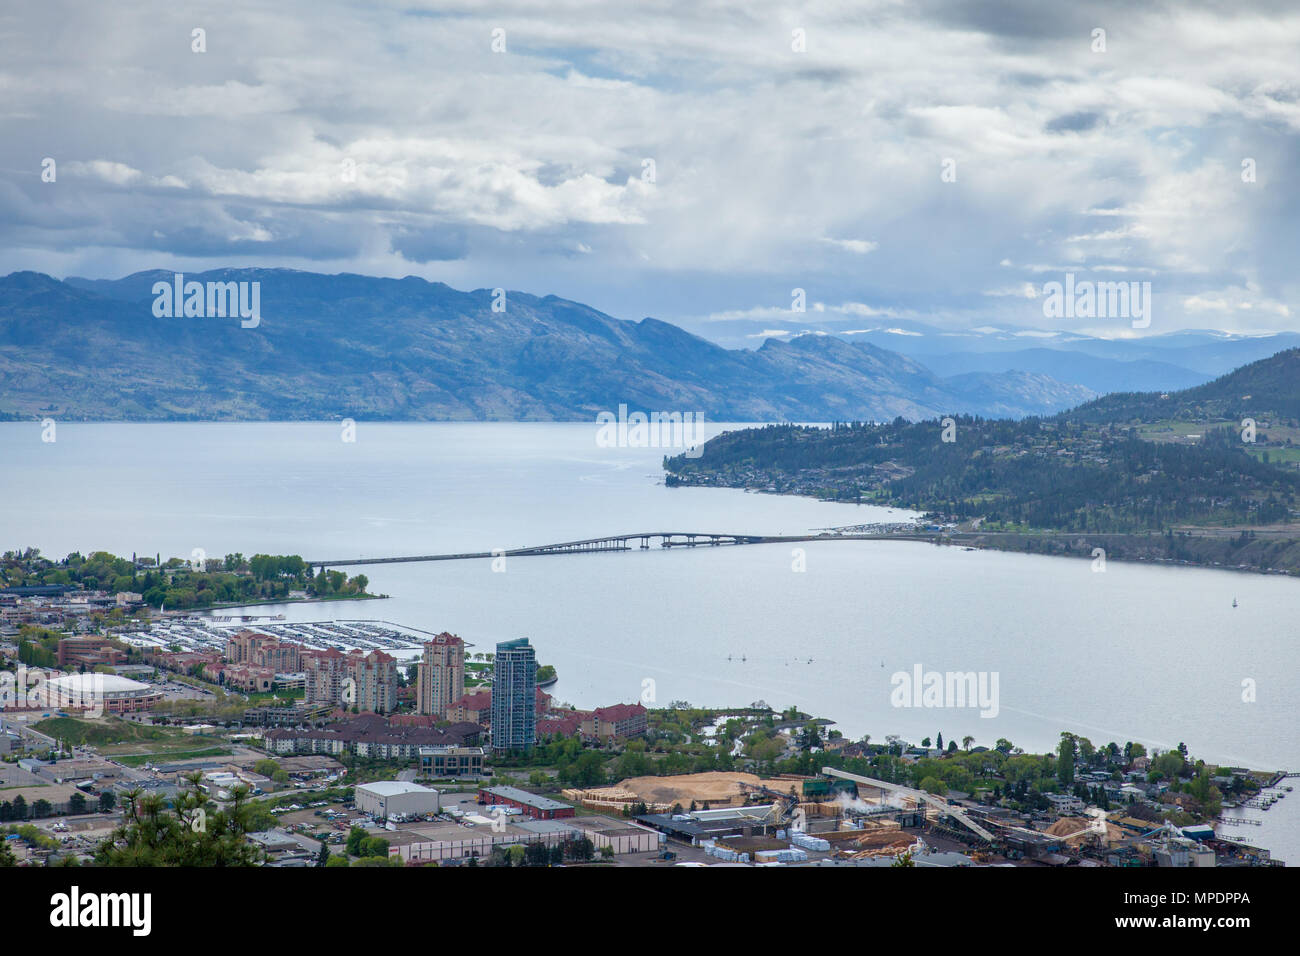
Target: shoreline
{"points": [[314, 600], [1062, 544]]}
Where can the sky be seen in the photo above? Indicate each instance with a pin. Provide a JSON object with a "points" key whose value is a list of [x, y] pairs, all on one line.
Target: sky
{"points": [[933, 162]]}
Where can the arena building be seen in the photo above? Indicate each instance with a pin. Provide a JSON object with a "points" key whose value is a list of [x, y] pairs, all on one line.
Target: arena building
{"points": [[100, 693]]}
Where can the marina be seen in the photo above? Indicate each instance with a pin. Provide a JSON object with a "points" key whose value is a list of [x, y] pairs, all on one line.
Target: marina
{"points": [[199, 634]]}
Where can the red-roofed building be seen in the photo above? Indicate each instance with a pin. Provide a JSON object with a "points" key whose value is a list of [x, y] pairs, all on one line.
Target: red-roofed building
{"points": [[474, 707], [562, 723], [412, 720], [616, 722], [182, 661], [245, 677]]}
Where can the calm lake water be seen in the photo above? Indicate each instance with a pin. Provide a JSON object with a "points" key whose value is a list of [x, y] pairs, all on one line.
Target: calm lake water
{"points": [[1151, 654]]}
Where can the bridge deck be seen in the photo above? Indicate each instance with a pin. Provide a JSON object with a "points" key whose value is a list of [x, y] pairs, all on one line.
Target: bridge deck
{"points": [[622, 542]]}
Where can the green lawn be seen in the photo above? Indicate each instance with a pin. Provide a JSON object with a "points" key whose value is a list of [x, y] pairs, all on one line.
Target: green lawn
{"points": [[1277, 456], [111, 730], [139, 760], [286, 696]]}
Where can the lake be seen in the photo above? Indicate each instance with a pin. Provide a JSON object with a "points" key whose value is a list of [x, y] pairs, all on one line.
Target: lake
{"points": [[1146, 653]]}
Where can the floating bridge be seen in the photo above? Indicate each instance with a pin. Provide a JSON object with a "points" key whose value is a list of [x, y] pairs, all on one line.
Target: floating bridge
{"points": [[640, 540]]}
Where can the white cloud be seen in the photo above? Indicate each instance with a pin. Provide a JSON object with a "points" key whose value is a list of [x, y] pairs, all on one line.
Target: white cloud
{"points": [[772, 168], [859, 246]]}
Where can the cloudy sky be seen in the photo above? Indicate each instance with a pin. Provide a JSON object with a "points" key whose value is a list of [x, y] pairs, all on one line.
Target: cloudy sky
{"points": [[691, 161]]}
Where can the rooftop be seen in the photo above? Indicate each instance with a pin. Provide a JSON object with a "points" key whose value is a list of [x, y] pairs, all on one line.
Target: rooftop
{"points": [[392, 788], [524, 797], [89, 684]]}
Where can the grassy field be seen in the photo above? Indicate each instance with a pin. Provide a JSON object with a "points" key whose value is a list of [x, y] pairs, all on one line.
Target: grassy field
{"points": [[1172, 430], [283, 697], [139, 760], [1190, 432], [131, 743], [100, 733], [1277, 455]]}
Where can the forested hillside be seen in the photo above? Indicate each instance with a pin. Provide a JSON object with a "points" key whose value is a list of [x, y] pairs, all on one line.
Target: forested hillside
{"points": [[1029, 474]]}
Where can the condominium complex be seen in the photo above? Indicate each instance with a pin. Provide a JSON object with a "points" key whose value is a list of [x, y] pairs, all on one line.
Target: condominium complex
{"points": [[441, 675], [615, 723], [376, 681], [262, 650], [326, 673], [367, 682], [514, 696]]}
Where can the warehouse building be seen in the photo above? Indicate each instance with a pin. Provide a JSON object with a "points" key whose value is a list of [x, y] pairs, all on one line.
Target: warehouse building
{"points": [[392, 798], [621, 836], [537, 807]]}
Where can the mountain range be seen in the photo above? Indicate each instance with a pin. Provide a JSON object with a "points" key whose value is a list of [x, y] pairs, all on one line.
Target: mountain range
{"points": [[1152, 362], [337, 346]]}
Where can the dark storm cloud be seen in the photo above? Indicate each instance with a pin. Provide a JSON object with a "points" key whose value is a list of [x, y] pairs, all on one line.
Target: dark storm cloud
{"points": [[439, 244], [1073, 122]]}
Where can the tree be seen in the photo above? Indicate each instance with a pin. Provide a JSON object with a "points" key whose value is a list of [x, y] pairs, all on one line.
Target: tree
{"points": [[355, 836], [188, 835], [934, 785], [323, 858], [966, 742], [7, 857], [581, 848], [536, 854], [77, 803], [1065, 760]]}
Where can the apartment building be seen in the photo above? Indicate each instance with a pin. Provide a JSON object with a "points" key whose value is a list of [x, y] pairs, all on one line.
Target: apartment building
{"points": [[375, 676], [326, 673], [441, 675], [615, 723], [367, 682], [263, 650], [514, 696]]}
